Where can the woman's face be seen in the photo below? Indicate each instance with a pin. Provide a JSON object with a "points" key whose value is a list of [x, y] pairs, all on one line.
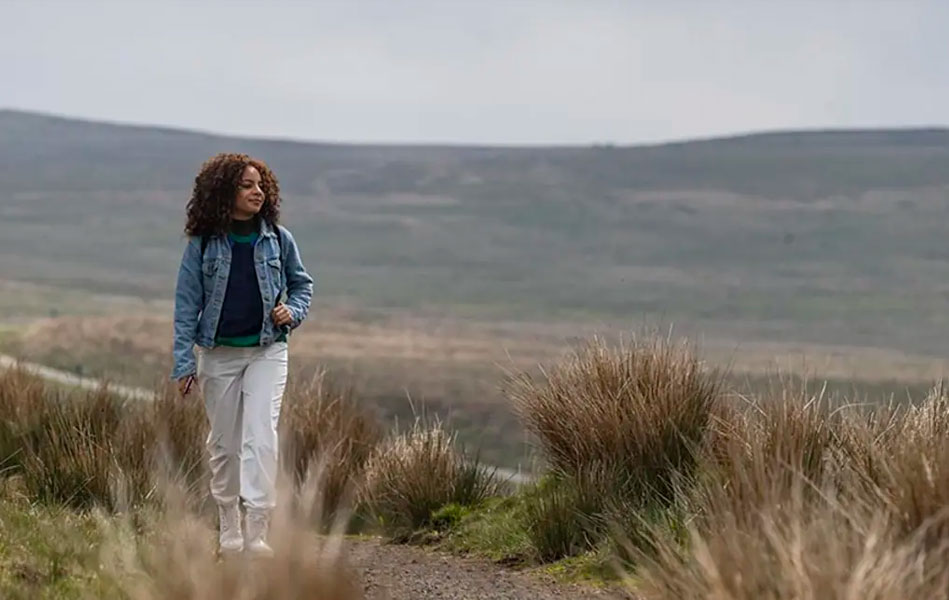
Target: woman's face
{"points": [[250, 196]]}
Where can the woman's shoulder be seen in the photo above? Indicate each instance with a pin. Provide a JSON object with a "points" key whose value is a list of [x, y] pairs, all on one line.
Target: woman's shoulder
{"points": [[193, 241], [283, 233]]}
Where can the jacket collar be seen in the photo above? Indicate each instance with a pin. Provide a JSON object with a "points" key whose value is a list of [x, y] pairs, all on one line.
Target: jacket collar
{"points": [[266, 230]]}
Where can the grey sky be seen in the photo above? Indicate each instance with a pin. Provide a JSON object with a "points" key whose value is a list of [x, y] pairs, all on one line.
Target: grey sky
{"points": [[492, 71]]}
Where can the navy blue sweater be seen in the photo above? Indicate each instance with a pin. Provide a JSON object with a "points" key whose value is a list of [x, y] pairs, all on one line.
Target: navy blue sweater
{"points": [[243, 310]]}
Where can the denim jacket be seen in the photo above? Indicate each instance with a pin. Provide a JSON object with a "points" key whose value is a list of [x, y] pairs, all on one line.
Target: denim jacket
{"points": [[202, 282]]}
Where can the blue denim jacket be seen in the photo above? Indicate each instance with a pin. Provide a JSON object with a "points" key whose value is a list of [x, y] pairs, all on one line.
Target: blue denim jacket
{"points": [[202, 282]]}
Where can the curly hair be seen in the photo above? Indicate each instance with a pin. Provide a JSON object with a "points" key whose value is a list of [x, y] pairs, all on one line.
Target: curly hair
{"points": [[215, 188]]}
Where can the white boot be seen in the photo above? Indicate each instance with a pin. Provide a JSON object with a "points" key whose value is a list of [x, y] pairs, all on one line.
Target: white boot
{"points": [[231, 539], [257, 523]]}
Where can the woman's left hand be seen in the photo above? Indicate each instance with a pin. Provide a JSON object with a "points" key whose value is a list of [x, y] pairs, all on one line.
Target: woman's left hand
{"points": [[281, 315]]}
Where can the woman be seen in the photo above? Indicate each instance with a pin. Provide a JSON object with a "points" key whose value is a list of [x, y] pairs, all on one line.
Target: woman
{"points": [[231, 332]]}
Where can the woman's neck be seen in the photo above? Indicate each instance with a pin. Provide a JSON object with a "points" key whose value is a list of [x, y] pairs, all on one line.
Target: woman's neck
{"points": [[244, 226]]}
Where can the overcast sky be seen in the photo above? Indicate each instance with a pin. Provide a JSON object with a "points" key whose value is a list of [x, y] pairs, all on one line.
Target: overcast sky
{"points": [[490, 71]]}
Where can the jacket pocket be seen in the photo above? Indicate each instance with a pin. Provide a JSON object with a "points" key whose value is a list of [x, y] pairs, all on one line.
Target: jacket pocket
{"points": [[276, 273], [210, 266], [209, 271]]}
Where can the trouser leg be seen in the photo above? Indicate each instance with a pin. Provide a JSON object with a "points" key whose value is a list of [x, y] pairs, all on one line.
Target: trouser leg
{"points": [[264, 383], [220, 374]]}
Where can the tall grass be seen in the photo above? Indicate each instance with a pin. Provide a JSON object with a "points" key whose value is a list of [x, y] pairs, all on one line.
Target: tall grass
{"points": [[559, 518], [765, 449], [177, 559], [414, 473], [324, 431], [84, 449], [96, 452], [796, 550], [620, 426], [792, 494], [904, 467], [639, 410], [803, 500]]}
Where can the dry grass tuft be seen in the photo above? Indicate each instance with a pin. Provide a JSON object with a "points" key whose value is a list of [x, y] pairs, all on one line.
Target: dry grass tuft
{"points": [[622, 428], [639, 410], [178, 559], [416, 472], [323, 430], [94, 449], [74, 447], [798, 550], [801, 501]]}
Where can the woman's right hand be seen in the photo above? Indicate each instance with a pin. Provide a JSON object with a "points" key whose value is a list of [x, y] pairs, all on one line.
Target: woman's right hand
{"points": [[185, 384]]}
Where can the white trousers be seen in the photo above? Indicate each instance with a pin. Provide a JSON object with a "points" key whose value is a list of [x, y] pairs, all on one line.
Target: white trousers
{"points": [[243, 390]]}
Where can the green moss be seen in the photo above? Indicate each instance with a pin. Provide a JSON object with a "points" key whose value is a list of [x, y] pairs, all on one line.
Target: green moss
{"points": [[449, 517], [593, 568], [494, 529]]}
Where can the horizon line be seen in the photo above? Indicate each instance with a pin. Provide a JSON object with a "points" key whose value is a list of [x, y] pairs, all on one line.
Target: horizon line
{"points": [[605, 144]]}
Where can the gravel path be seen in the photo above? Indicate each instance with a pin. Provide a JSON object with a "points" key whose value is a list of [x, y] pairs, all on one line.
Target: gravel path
{"points": [[390, 572]]}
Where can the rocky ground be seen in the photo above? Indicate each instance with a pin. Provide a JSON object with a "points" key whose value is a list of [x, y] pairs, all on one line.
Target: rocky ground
{"points": [[390, 572]]}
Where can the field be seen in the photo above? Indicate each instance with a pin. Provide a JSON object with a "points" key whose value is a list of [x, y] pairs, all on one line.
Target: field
{"points": [[440, 269], [830, 238], [401, 365], [658, 481]]}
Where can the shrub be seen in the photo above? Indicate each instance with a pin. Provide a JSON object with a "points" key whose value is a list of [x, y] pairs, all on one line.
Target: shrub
{"points": [[640, 411], [621, 428], [416, 472]]}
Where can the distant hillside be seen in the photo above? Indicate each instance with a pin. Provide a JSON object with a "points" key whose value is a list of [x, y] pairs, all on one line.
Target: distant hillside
{"points": [[819, 236], [49, 153]]}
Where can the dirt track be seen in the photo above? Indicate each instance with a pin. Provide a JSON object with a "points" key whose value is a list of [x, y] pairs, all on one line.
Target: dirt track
{"points": [[390, 572]]}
